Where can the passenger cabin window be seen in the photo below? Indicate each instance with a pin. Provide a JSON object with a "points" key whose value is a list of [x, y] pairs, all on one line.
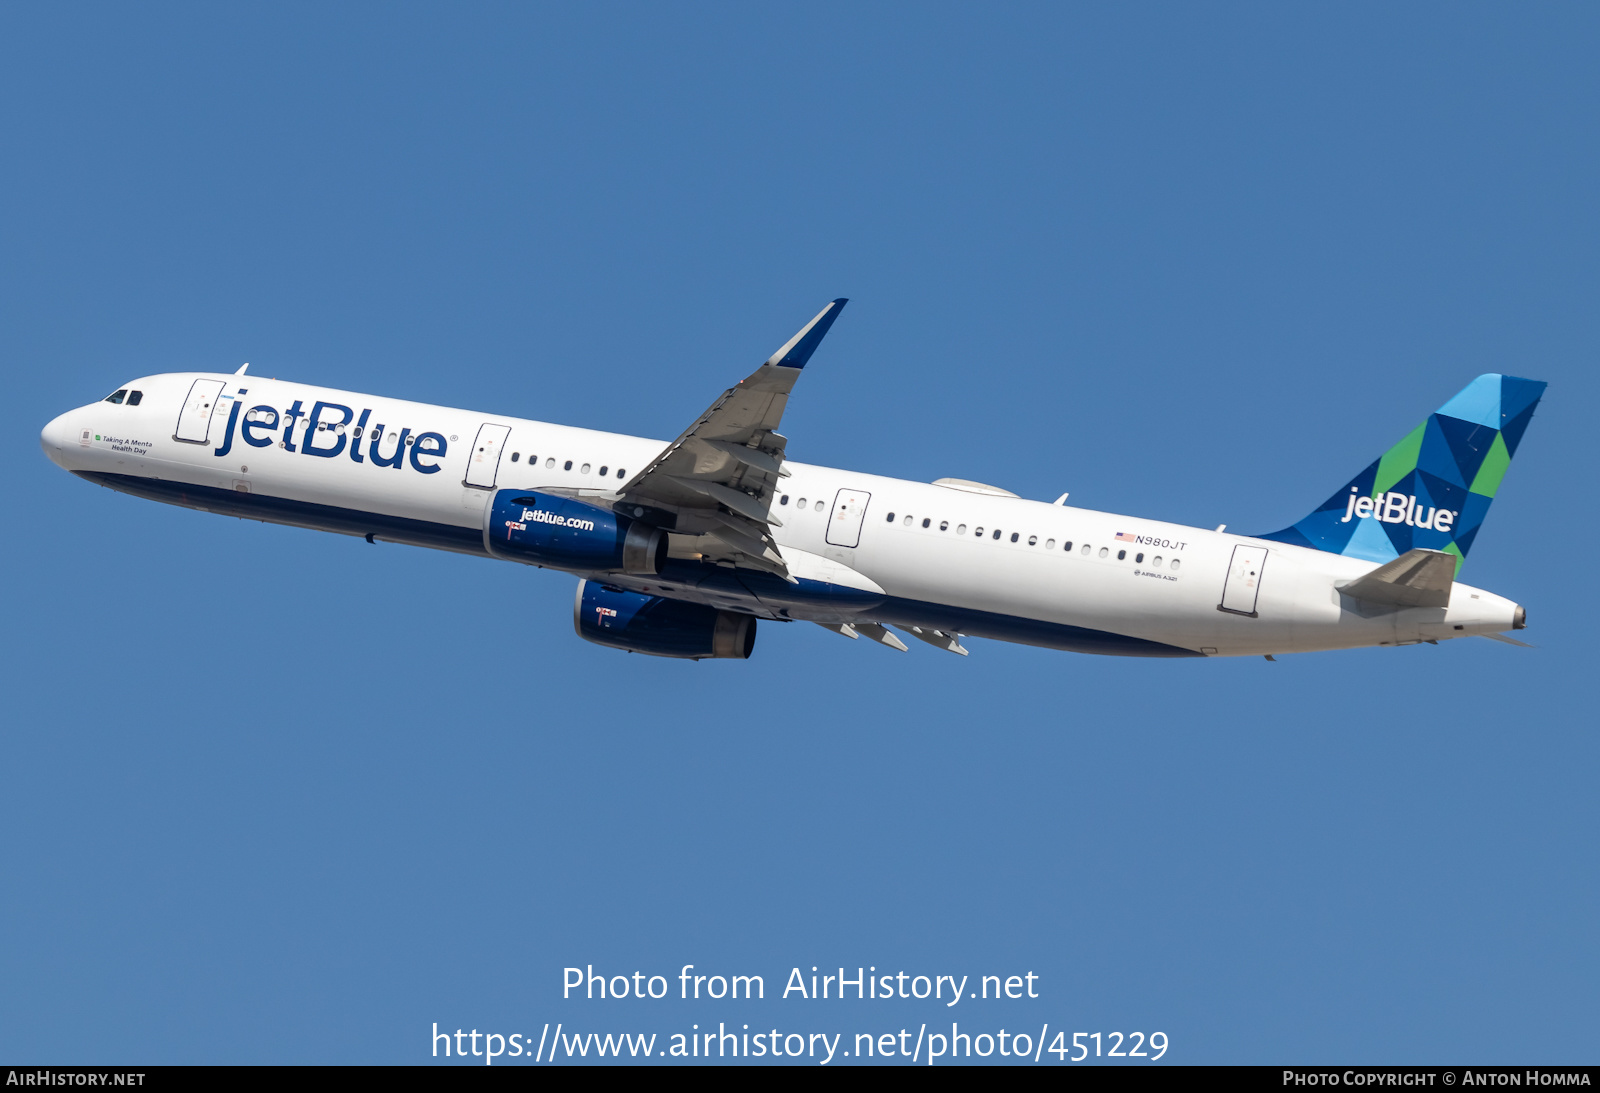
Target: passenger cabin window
{"points": [[568, 466], [997, 534], [603, 469], [1013, 536], [1085, 550], [117, 396], [1138, 558], [818, 506], [621, 472], [1104, 551], [1156, 561], [1033, 540], [584, 469], [1121, 554], [515, 456], [944, 525], [800, 504], [891, 518], [961, 529], [784, 500], [978, 533], [135, 397], [1050, 544], [926, 521], [549, 464], [1174, 563], [906, 521], [1067, 546]]}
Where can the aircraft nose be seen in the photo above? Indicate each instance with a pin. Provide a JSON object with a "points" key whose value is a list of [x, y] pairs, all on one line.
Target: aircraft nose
{"points": [[55, 437]]}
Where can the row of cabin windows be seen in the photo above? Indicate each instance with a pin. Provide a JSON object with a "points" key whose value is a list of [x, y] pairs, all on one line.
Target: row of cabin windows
{"points": [[133, 397], [263, 416], [550, 465], [996, 533]]}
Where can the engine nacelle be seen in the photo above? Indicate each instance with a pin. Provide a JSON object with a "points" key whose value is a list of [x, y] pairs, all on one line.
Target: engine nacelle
{"points": [[565, 533], [659, 626]]}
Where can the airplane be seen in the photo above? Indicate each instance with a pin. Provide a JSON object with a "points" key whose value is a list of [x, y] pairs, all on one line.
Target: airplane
{"points": [[681, 549]]}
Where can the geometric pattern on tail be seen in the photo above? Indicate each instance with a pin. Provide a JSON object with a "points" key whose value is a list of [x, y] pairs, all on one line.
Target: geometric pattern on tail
{"points": [[1434, 487]]}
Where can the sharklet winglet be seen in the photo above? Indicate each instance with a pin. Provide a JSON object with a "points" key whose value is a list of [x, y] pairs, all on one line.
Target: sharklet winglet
{"points": [[798, 349]]}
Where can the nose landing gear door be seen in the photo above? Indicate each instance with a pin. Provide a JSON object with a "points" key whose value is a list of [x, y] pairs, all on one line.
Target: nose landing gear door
{"points": [[194, 420], [844, 523]]}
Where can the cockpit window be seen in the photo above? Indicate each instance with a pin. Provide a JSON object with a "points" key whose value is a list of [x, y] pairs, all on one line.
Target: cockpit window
{"points": [[117, 396], [134, 397]]}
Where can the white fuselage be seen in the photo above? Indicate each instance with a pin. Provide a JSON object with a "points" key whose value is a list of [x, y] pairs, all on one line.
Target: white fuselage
{"points": [[1125, 582]]}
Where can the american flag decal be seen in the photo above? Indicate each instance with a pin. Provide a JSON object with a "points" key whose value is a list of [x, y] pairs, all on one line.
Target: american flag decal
{"points": [[1124, 537]]}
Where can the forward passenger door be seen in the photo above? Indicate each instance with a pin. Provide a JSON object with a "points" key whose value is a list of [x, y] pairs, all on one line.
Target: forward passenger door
{"points": [[194, 420]]}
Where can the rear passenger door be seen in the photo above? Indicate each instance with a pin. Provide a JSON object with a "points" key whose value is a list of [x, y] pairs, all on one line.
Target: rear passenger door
{"points": [[1244, 581]]}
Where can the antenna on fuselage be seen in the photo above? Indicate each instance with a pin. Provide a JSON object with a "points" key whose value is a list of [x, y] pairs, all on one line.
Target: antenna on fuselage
{"points": [[242, 367]]}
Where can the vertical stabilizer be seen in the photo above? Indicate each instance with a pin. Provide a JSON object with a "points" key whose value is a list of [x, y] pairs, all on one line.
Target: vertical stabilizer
{"points": [[1433, 489]]}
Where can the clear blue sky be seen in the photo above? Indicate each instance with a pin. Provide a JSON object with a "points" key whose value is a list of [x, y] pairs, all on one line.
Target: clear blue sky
{"points": [[273, 795]]}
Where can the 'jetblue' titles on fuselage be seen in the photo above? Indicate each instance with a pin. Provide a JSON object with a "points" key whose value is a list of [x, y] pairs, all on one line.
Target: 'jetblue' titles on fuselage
{"points": [[261, 423]]}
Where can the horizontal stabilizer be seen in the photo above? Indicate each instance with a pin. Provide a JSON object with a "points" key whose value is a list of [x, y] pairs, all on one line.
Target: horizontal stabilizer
{"points": [[1418, 578], [1508, 641]]}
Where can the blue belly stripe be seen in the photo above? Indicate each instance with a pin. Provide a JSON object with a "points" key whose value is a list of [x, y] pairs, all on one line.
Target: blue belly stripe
{"points": [[725, 582], [304, 514]]}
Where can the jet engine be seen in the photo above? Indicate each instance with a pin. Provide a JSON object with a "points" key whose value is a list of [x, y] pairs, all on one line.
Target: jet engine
{"points": [[659, 626], [565, 533]]}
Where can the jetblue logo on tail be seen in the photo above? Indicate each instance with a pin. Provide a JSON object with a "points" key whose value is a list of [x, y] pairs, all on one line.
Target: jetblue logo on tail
{"points": [[1454, 462], [1398, 508]]}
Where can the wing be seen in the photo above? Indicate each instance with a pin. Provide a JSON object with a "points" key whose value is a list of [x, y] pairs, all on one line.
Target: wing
{"points": [[713, 486]]}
